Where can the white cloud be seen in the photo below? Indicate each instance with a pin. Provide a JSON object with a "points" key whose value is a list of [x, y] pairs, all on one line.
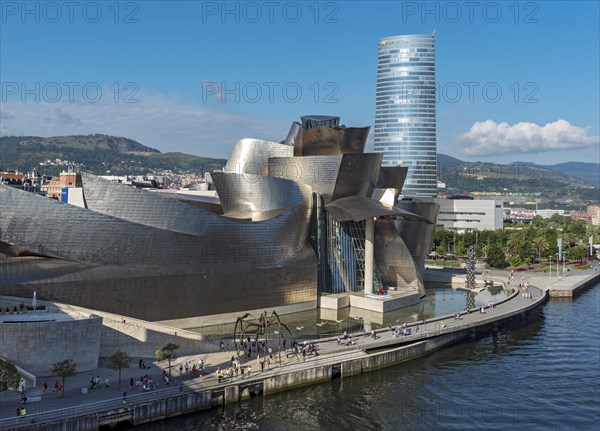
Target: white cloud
{"points": [[490, 138], [161, 122]]}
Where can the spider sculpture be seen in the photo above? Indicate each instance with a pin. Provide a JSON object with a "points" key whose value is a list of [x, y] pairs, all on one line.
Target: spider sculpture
{"points": [[244, 327]]}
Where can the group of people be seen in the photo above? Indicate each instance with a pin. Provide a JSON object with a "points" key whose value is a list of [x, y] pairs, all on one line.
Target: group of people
{"points": [[146, 382], [234, 372], [191, 366], [401, 330], [21, 412], [95, 382], [346, 340], [249, 346], [525, 293]]}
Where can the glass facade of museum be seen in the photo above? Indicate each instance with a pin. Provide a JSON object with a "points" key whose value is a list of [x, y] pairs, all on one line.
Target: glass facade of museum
{"points": [[405, 120]]}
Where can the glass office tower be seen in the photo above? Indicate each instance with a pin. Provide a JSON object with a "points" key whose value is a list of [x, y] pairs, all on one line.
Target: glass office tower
{"points": [[405, 128]]}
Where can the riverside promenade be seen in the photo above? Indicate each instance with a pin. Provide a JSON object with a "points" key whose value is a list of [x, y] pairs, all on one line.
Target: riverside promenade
{"points": [[108, 406]]}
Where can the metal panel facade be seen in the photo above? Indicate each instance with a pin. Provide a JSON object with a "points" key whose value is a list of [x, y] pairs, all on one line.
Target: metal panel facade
{"points": [[148, 255]]}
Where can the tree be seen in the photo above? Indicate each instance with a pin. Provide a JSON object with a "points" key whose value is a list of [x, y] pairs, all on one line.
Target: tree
{"points": [[118, 361], [569, 239], [9, 376], [167, 353], [515, 241], [461, 248], [541, 244], [576, 252], [64, 369], [495, 256]]}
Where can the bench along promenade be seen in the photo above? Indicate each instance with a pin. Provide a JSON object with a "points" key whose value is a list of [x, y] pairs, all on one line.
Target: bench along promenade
{"points": [[335, 359]]}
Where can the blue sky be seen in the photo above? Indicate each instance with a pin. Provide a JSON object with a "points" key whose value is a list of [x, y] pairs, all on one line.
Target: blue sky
{"points": [[517, 80]]}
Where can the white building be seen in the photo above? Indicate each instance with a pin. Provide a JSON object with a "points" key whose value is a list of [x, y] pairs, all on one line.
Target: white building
{"points": [[470, 214], [549, 212]]}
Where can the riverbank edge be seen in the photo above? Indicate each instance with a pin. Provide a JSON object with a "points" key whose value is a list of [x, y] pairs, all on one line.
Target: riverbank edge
{"points": [[357, 361]]}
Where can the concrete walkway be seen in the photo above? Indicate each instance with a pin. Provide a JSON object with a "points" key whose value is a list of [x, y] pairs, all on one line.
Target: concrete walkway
{"points": [[328, 350]]}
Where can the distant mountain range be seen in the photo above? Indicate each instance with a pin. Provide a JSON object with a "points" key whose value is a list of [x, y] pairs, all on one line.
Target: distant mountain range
{"points": [[97, 153], [578, 174], [102, 154], [587, 172]]}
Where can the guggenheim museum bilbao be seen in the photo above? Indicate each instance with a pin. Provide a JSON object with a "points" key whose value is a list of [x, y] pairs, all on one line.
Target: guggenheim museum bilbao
{"points": [[311, 216]]}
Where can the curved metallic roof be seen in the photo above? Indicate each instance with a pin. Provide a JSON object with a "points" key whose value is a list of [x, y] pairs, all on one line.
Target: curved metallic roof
{"points": [[257, 197], [310, 121], [417, 236], [323, 141], [357, 208], [318, 172], [250, 156], [294, 134], [51, 228], [395, 265], [392, 177], [357, 175]]}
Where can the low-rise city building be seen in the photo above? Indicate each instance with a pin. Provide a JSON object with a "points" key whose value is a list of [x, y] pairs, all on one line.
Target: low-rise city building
{"points": [[464, 214]]}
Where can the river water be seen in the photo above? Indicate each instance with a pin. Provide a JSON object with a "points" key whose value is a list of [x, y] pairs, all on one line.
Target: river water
{"points": [[541, 373]]}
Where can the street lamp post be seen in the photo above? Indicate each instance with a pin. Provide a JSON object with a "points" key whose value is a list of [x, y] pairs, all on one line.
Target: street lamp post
{"points": [[454, 243], [550, 272]]}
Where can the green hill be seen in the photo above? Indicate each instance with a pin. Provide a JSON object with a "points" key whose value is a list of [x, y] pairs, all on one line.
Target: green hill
{"points": [[96, 153], [540, 182]]}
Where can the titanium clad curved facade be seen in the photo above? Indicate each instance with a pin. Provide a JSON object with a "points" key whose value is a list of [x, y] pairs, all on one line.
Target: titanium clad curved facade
{"points": [[246, 196], [393, 260], [357, 175], [418, 236], [392, 177], [405, 110], [250, 156], [318, 172], [135, 269], [140, 206], [357, 208], [323, 141], [294, 134], [311, 121], [76, 234], [290, 227]]}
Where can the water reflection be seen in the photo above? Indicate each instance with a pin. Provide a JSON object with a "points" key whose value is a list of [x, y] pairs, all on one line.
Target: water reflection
{"points": [[322, 323]]}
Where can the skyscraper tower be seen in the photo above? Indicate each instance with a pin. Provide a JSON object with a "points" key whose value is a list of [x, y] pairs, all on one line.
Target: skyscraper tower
{"points": [[405, 126]]}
